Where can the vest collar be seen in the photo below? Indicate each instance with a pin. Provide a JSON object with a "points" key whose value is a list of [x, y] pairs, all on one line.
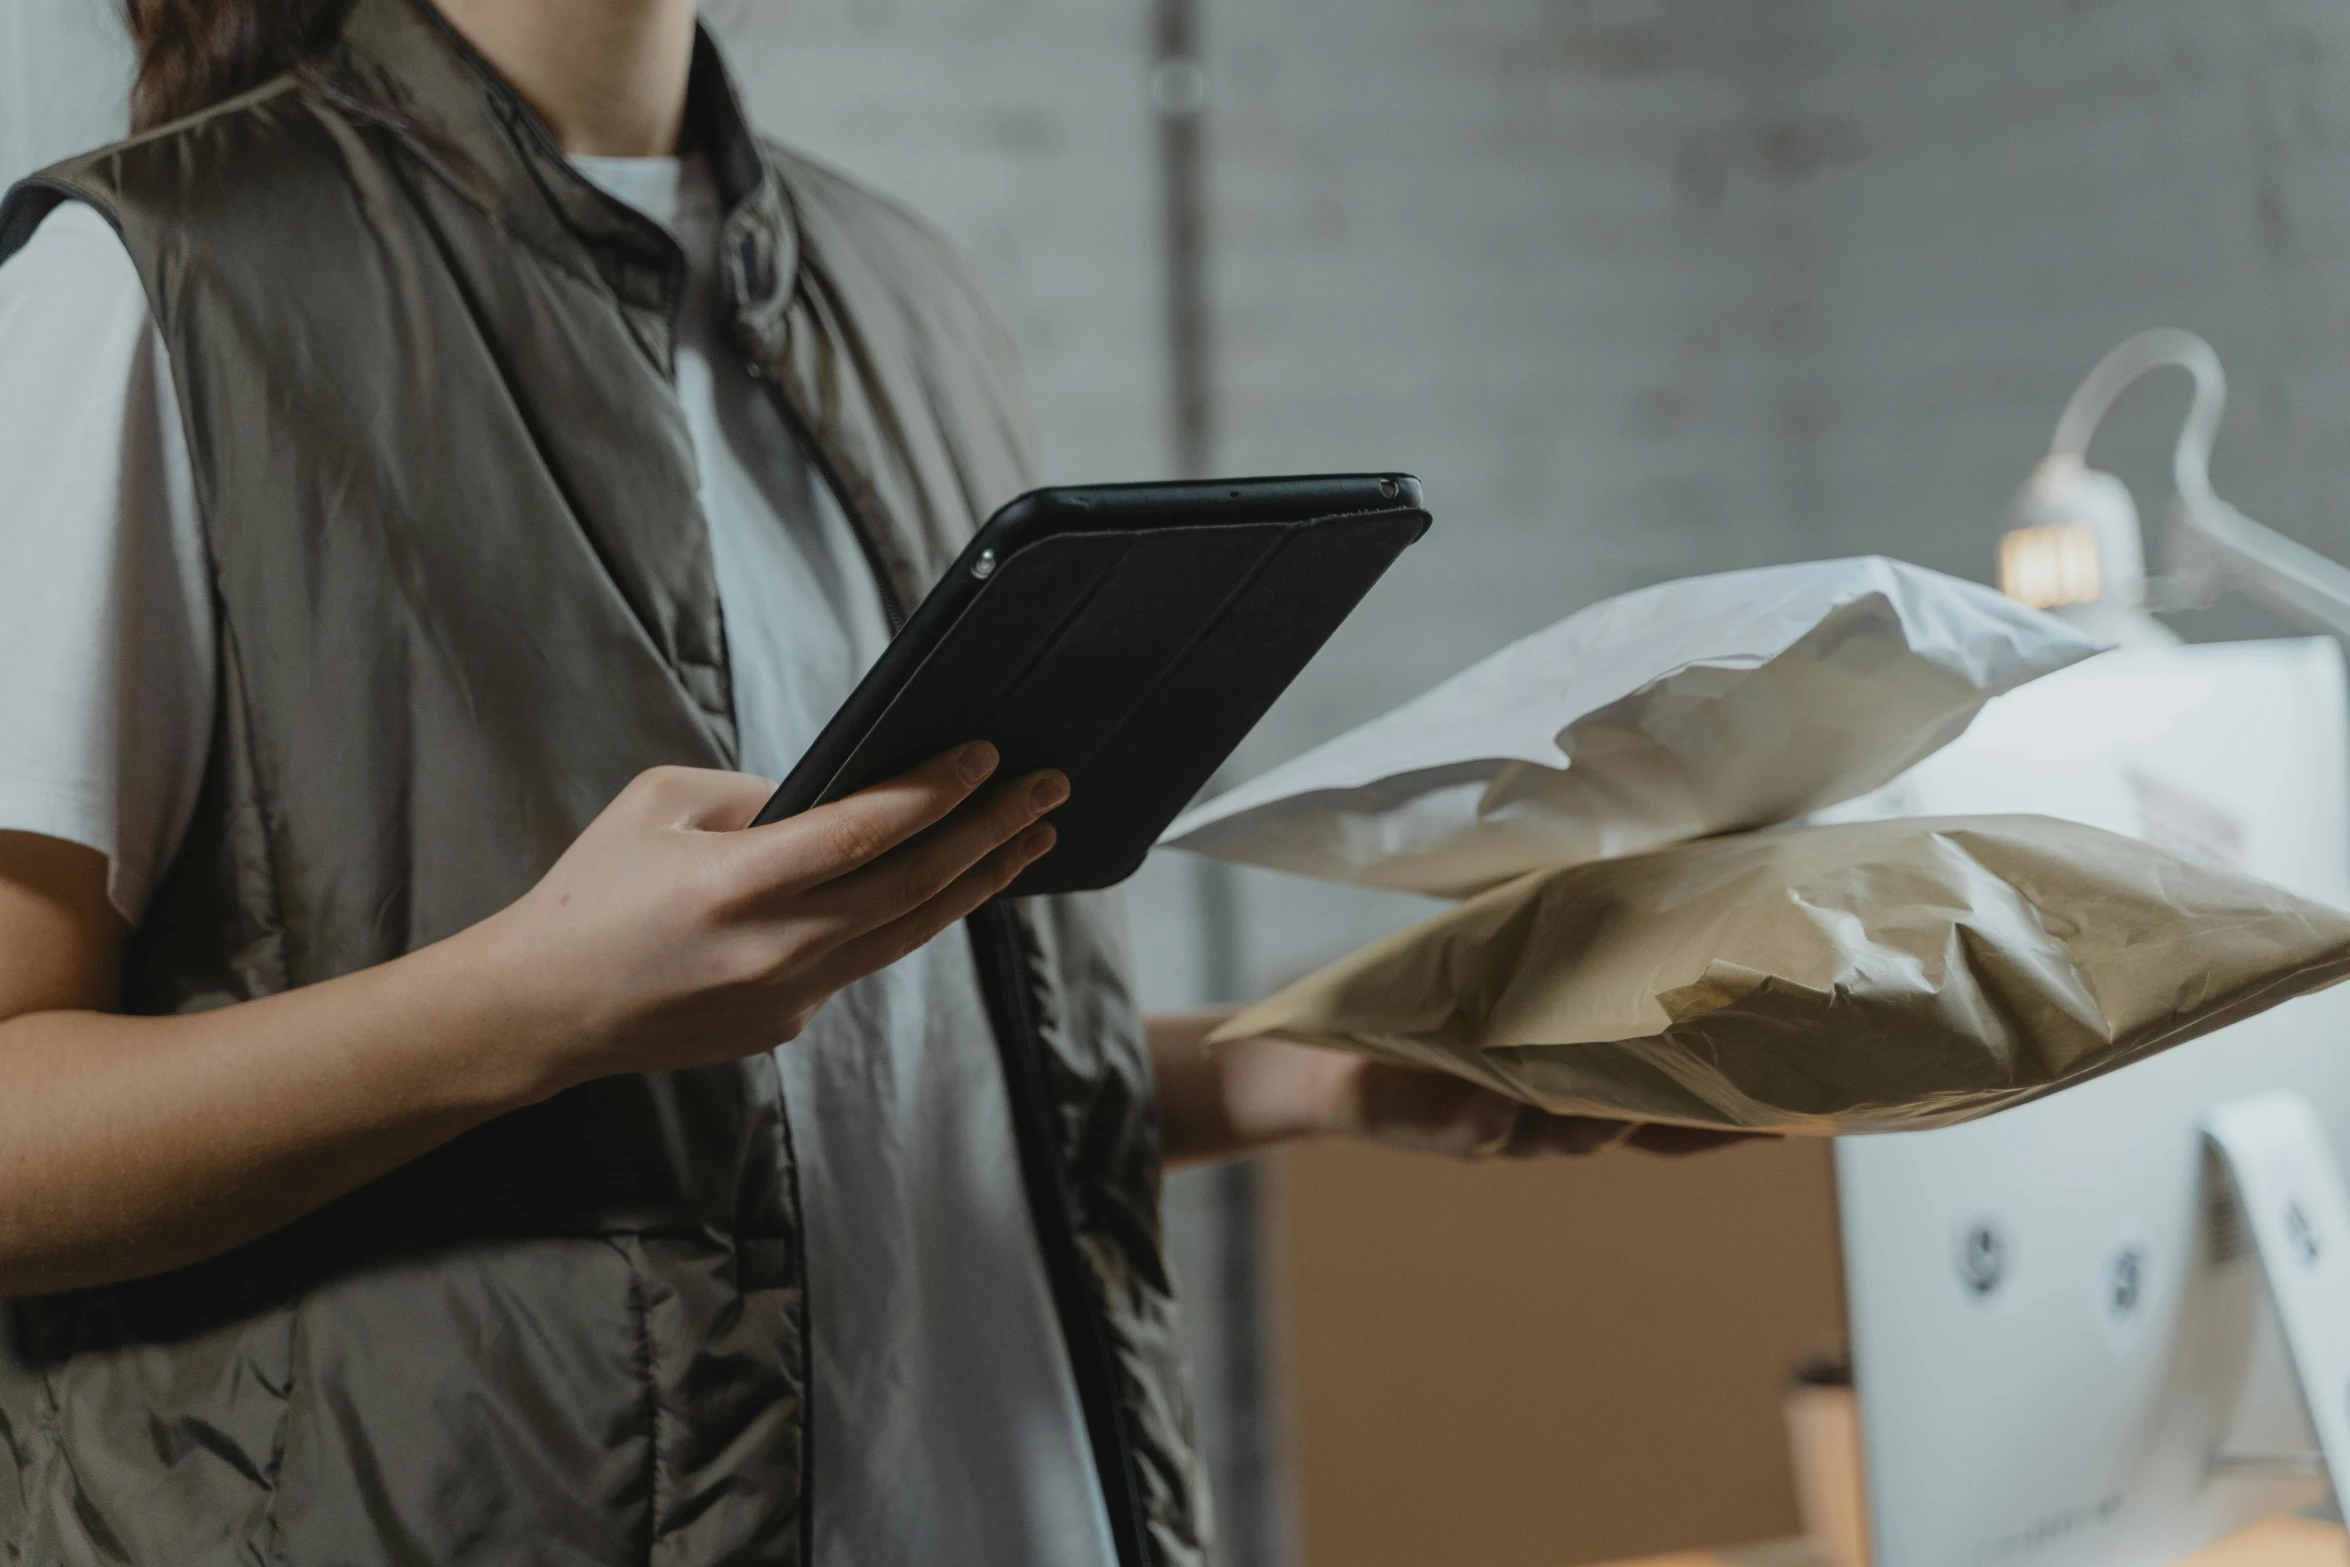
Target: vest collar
{"points": [[403, 66]]}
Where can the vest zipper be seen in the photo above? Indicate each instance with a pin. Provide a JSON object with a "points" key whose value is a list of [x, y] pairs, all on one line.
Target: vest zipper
{"points": [[995, 943], [1052, 1206]]}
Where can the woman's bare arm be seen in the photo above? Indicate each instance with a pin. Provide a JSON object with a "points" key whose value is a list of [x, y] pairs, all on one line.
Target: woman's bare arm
{"points": [[667, 936], [129, 1145]]}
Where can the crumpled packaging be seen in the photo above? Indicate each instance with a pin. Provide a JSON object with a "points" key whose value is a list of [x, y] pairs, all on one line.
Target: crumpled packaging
{"points": [[1679, 711], [1854, 978]]}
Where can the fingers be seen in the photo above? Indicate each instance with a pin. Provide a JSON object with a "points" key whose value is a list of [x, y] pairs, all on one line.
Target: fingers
{"points": [[1434, 1112], [1678, 1140], [1537, 1135], [877, 949], [836, 840], [1431, 1112], [911, 876]]}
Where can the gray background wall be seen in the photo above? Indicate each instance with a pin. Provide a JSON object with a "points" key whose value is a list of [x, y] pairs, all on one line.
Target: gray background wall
{"points": [[1639, 287], [63, 72]]}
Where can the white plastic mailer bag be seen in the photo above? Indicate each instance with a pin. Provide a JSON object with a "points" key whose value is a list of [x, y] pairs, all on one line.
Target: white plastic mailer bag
{"points": [[1675, 712], [1869, 976]]}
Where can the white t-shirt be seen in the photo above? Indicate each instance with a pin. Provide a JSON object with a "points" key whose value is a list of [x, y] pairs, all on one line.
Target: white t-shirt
{"points": [[945, 1417]]}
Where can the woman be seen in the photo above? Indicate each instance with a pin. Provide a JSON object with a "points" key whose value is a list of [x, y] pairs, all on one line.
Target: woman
{"points": [[454, 463]]}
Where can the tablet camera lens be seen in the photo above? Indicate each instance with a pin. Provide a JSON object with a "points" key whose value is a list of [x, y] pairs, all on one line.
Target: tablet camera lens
{"points": [[1388, 488], [984, 566]]}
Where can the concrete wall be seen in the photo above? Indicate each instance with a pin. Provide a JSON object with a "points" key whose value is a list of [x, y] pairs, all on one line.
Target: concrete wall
{"points": [[64, 76]]}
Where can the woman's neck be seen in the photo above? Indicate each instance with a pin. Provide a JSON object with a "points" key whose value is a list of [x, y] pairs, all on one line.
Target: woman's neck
{"points": [[608, 76]]}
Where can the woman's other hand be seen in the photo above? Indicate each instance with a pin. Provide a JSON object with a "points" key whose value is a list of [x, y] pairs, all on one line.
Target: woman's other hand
{"points": [[1432, 1112], [1226, 1100]]}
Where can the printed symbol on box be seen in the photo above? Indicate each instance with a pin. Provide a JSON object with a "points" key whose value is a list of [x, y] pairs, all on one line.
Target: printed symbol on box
{"points": [[2301, 1233], [1983, 1259], [2123, 1284]]}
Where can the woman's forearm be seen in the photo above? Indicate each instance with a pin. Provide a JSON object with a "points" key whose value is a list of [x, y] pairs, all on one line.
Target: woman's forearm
{"points": [[672, 934], [129, 1145], [1234, 1099]]}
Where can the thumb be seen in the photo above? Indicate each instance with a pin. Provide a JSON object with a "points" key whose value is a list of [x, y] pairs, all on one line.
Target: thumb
{"points": [[702, 799]]}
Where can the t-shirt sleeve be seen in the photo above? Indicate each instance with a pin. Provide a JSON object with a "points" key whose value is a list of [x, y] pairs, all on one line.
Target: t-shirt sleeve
{"points": [[107, 634]]}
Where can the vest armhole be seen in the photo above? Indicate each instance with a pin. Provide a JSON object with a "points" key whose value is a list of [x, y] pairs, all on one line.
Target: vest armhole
{"points": [[30, 201]]}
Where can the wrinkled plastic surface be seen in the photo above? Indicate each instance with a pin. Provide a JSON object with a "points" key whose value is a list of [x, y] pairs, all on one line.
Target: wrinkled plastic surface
{"points": [[1678, 711], [1861, 977]]}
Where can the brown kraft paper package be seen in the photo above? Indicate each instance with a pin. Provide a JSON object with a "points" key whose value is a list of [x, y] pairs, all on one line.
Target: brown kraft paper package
{"points": [[1865, 977]]}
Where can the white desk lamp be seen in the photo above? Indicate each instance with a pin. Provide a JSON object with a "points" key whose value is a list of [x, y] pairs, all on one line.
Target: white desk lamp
{"points": [[2074, 545]]}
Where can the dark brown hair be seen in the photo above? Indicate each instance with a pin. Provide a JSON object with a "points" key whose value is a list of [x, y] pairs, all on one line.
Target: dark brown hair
{"points": [[195, 53]]}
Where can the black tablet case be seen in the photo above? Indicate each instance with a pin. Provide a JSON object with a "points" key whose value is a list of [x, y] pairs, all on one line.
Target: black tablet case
{"points": [[1132, 641]]}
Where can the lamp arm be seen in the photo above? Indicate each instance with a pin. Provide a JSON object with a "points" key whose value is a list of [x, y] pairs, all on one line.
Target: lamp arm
{"points": [[2213, 545], [2191, 458], [2216, 545]]}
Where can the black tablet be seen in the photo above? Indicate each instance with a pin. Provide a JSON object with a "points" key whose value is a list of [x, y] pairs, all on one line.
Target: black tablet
{"points": [[1129, 635]]}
